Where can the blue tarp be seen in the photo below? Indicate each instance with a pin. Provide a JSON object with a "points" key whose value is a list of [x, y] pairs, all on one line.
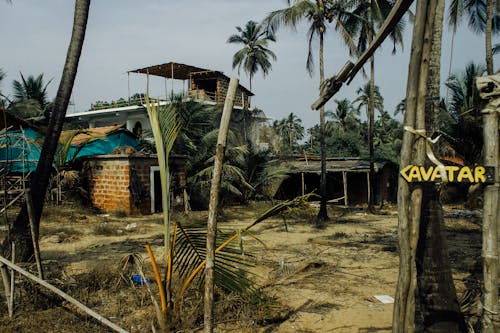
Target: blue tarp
{"points": [[18, 153], [103, 146], [13, 151]]}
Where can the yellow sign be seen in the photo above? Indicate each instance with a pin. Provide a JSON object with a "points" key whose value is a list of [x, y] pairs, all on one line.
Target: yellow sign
{"points": [[478, 174]]}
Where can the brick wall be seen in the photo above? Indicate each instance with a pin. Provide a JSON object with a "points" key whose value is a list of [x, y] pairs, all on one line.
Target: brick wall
{"points": [[108, 184], [223, 86], [122, 183]]}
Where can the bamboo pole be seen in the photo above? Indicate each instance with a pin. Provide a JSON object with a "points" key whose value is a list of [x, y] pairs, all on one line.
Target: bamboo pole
{"points": [[213, 205], [12, 281], [6, 286], [67, 297], [34, 233], [490, 205]]}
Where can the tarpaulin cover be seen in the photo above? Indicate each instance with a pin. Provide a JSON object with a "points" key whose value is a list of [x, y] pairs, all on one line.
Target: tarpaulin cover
{"points": [[19, 150]]}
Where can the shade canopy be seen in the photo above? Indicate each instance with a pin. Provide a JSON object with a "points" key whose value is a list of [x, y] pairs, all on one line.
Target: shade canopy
{"points": [[173, 70], [177, 71]]}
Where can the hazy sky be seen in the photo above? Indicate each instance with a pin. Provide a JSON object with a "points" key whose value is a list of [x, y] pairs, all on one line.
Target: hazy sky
{"points": [[126, 34]]}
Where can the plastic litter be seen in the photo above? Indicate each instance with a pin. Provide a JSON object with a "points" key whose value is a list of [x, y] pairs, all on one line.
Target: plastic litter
{"points": [[136, 278]]}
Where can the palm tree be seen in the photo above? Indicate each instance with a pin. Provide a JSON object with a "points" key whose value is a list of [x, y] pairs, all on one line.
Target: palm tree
{"points": [[362, 22], [344, 113], [31, 88], [254, 55], [290, 130], [365, 99], [20, 233], [318, 14], [465, 130], [482, 17], [2, 101]]}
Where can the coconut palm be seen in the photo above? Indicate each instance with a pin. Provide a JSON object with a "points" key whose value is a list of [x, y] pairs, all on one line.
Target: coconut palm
{"points": [[254, 55], [344, 114], [2, 97], [31, 88], [290, 130], [465, 129], [318, 14], [39, 181], [364, 98], [362, 21], [482, 17]]}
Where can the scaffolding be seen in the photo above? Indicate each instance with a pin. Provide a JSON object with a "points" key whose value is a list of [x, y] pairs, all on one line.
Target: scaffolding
{"points": [[16, 164]]}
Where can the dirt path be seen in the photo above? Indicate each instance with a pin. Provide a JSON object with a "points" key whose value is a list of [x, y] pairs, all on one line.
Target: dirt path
{"points": [[320, 280]]}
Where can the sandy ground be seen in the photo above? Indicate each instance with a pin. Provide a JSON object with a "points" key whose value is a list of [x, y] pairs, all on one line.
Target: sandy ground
{"points": [[322, 280]]}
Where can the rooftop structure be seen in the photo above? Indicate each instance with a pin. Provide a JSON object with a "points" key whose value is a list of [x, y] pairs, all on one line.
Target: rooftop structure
{"points": [[204, 85]]}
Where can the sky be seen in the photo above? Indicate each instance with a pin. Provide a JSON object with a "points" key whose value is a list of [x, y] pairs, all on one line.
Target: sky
{"points": [[125, 35]]}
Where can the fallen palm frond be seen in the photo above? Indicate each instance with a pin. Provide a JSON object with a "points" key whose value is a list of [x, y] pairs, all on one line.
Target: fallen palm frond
{"points": [[194, 243], [231, 268]]}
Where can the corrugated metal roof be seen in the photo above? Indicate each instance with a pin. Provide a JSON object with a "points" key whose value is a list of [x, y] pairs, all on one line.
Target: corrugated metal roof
{"points": [[335, 165]]}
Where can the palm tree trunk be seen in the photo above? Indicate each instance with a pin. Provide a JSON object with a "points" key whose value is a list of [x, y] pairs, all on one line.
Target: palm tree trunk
{"points": [[20, 232], [409, 199], [371, 119], [488, 31], [437, 307], [425, 298], [323, 213]]}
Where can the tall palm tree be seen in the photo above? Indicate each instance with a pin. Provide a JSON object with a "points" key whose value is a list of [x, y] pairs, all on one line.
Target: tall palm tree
{"points": [[344, 112], [31, 88], [362, 22], [2, 101], [254, 55], [482, 17], [365, 99], [290, 130], [463, 106], [20, 233], [317, 14]]}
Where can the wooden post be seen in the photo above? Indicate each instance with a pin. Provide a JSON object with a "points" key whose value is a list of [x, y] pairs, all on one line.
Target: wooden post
{"points": [[303, 183], [344, 180], [491, 200], [213, 205], [6, 286], [369, 188], [12, 281], [59, 292], [34, 233]]}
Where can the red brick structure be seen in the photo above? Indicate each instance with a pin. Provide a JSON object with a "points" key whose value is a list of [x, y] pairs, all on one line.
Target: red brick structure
{"points": [[126, 183]]}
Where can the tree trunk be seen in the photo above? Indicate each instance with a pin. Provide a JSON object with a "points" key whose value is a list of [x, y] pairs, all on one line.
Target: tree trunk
{"points": [[488, 31], [491, 216], [436, 301], [409, 201], [425, 296], [437, 305], [20, 233], [323, 212], [371, 119]]}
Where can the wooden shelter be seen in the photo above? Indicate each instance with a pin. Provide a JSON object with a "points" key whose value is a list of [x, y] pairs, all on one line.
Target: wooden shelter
{"points": [[204, 84], [348, 180]]}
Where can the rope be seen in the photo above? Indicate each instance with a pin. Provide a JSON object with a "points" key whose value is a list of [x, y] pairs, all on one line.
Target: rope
{"points": [[428, 149]]}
